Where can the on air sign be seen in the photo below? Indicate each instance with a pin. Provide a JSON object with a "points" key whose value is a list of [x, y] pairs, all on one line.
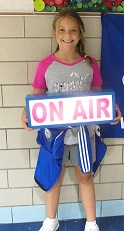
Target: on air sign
{"points": [[57, 110]]}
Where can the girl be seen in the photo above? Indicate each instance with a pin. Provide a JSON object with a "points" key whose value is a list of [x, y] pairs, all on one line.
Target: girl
{"points": [[69, 69]]}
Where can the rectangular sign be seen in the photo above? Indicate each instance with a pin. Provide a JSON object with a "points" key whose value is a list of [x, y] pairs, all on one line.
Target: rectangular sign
{"points": [[58, 110]]}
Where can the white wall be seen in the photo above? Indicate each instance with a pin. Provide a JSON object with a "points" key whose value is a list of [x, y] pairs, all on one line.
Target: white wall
{"points": [[24, 41]]}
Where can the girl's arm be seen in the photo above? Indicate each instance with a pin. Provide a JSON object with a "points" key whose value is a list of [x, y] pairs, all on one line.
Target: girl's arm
{"points": [[23, 116], [96, 88], [39, 91]]}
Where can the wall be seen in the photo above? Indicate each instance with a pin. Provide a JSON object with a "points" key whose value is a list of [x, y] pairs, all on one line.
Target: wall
{"points": [[24, 41]]}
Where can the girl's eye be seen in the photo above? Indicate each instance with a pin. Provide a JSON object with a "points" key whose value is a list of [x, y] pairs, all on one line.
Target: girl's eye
{"points": [[61, 29]]}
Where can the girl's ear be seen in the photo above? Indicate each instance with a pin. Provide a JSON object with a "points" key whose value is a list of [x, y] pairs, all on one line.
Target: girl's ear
{"points": [[81, 36], [53, 32]]}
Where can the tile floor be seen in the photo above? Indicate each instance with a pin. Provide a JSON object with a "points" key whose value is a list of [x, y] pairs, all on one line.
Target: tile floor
{"points": [[105, 224]]}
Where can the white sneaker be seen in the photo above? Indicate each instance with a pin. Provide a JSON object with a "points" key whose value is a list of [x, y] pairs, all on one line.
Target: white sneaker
{"points": [[50, 225], [91, 228]]}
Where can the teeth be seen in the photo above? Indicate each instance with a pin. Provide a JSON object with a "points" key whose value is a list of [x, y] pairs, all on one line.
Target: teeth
{"points": [[67, 41]]}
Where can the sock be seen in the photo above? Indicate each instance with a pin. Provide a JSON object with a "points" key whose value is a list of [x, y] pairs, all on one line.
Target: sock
{"points": [[51, 219], [91, 223]]}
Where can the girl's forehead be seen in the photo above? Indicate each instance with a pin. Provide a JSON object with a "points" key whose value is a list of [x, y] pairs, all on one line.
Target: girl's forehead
{"points": [[61, 21]]}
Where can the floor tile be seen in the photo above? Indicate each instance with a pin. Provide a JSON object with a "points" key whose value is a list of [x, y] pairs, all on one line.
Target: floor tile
{"points": [[8, 227], [75, 225], [34, 226], [62, 226], [117, 223], [105, 224]]}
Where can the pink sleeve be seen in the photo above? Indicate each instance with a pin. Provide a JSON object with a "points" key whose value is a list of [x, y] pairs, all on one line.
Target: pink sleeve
{"points": [[97, 80], [39, 78]]}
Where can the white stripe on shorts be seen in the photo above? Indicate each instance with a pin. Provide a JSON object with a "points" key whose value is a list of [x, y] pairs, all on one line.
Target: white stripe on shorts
{"points": [[83, 150]]}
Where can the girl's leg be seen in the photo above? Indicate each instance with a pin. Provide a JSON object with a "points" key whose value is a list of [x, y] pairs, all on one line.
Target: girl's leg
{"points": [[87, 193], [52, 198]]}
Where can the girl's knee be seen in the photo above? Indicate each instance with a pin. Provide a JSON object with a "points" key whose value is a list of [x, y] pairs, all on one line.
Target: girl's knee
{"points": [[83, 178], [87, 178]]}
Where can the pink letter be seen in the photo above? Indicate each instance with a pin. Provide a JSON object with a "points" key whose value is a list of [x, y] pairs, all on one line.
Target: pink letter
{"points": [[81, 111], [105, 103], [34, 112], [53, 110], [91, 109]]}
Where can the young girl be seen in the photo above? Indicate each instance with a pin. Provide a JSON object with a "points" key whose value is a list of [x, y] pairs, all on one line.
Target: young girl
{"points": [[69, 69]]}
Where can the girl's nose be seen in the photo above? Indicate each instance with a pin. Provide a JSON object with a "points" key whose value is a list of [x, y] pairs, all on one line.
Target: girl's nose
{"points": [[68, 34]]}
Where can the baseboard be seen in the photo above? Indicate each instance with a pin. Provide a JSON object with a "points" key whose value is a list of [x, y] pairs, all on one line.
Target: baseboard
{"points": [[34, 213]]}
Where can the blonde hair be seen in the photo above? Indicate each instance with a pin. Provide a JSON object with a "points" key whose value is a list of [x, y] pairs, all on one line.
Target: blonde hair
{"points": [[73, 14]]}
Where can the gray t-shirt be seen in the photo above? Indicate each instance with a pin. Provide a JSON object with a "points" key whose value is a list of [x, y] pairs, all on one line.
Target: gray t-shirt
{"points": [[60, 77]]}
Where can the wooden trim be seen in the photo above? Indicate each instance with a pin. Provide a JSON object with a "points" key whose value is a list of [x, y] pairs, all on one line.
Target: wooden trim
{"points": [[89, 14], [16, 13], [46, 13]]}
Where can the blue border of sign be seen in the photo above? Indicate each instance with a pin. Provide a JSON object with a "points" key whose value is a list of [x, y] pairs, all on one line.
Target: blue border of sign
{"points": [[68, 95]]}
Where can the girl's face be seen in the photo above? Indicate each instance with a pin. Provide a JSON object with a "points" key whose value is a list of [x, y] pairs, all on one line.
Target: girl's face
{"points": [[67, 33]]}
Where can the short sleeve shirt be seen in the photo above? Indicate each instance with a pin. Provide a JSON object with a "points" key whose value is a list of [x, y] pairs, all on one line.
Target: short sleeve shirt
{"points": [[57, 76]]}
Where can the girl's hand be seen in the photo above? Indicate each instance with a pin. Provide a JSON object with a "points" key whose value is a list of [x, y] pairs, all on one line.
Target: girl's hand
{"points": [[118, 115], [25, 120]]}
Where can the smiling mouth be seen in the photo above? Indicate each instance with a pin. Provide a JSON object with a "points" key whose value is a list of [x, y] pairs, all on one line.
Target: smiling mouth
{"points": [[67, 41]]}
